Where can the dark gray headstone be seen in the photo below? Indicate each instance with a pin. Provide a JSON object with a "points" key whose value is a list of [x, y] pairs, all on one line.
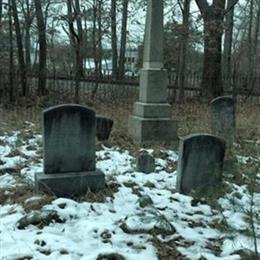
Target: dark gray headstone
{"points": [[145, 163], [103, 128], [69, 152], [223, 118], [200, 162], [69, 139]]}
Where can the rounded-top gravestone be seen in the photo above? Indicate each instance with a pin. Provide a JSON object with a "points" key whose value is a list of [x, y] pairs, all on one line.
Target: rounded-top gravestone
{"points": [[69, 152], [223, 118], [69, 139], [200, 162]]}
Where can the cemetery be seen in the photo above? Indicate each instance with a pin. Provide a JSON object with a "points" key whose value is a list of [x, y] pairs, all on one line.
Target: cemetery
{"points": [[96, 181]]}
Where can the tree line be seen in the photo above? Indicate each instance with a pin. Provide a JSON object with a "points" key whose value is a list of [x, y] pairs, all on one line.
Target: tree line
{"points": [[220, 40]]}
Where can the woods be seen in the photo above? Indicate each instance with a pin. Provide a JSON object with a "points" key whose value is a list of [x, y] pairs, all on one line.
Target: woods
{"points": [[218, 41]]}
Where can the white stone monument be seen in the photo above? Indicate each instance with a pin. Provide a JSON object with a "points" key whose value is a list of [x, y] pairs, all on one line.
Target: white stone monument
{"points": [[151, 121]]}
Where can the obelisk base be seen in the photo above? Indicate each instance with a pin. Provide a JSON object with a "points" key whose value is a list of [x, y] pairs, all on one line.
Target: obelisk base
{"points": [[146, 131]]}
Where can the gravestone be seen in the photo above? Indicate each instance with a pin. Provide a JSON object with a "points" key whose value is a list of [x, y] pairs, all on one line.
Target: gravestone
{"points": [[223, 118], [103, 127], [69, 152], [200, 163], [145, 163], [151, 121]]}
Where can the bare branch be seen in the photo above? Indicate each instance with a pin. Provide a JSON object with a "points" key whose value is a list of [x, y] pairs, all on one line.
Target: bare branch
{"points": [[229, 8]]}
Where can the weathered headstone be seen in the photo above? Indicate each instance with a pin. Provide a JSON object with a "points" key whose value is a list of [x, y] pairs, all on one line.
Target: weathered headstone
{"points": [[103, 128], [145, 163], [151, 121], [200, 162], [69, 152], [223, 118]]}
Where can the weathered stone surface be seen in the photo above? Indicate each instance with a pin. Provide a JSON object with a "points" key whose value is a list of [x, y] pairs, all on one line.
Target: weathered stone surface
{"points": [[70, 184], [223, 118], [145, 201], [153, 86], [69, 152], [103, 127], [152, 114], [153, 50], [69, 139], [148, 131], [200, 163], [145, 163], [152, 110], [39, 218]]}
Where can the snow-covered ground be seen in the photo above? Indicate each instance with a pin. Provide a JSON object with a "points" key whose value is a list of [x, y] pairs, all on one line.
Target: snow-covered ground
{"points": [[143, 209]]}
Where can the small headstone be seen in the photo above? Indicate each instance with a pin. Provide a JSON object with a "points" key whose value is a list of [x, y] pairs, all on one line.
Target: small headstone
{"points": [[145, 163], [69, 152], [223, 118], [103, 128], [200, 163]]}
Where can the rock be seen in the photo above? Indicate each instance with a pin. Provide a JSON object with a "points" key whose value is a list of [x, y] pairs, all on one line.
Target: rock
{"points": [[164, 227], [39, 218], [112, 256], [145, 201]]}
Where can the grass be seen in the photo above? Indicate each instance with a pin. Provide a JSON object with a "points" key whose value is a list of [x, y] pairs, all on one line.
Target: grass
{"points": [[193, 116]]}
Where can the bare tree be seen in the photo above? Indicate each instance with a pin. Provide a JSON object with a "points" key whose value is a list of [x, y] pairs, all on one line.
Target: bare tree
{"points": [[28, 14], [256, 34], [19, 42], [250, 38], [42, 48], [121, 63], [99, 36], [11, 54], [114, 38], [227, 53], [185, 8], [213, 17], [79, 38], [1, 13]]}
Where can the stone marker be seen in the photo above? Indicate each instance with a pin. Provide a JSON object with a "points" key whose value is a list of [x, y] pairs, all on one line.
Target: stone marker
{"points": [[103, 127], [223, 118], [200, 162], [151, 121], [69, 152], [145, 163]]}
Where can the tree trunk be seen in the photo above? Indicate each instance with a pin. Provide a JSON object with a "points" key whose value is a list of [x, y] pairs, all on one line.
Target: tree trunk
{"points": [[1, 13], [27, 43], [250, 47], [94, 46], [227, 53], [80, 38], [11, 54], [100, 51], [42, 48], [19, 42], [78, 45], [250, 50], [121, 63], [256, 35], [213, 16], [28, 19], [114, 39], [183, 47], [212, 75]]}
